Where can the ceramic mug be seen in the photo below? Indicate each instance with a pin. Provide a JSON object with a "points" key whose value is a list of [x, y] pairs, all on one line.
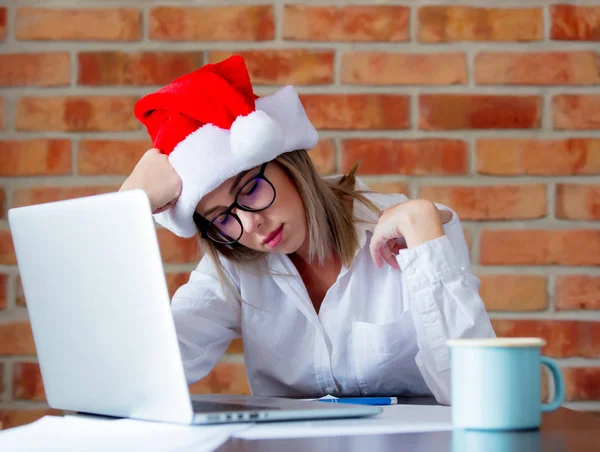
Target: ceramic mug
{"points": [[497, 441], [496, 383]]}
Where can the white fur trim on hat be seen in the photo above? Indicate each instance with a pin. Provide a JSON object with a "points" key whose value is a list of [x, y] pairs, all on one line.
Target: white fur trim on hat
{"points": [[285, 107], [256, 134]]}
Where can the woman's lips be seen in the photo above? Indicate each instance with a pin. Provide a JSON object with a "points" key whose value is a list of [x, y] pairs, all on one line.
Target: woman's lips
{"points": [[274, 237]]}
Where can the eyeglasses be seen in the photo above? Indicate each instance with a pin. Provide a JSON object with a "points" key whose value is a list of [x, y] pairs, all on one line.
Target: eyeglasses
{"points": [[257, 194]]}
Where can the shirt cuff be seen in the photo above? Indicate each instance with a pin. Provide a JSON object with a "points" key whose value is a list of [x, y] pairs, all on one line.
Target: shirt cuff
{"points": [[426, 263]]}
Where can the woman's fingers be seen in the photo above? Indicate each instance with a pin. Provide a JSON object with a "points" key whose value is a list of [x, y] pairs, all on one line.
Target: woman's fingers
{"points": [[388, 256], [445, 216], [387, 239], [166, 206], [377, 241], [398, 244]]}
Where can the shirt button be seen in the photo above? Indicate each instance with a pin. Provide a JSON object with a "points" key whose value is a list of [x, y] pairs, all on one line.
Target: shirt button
{"points": [[410, 271], [433, 318]]}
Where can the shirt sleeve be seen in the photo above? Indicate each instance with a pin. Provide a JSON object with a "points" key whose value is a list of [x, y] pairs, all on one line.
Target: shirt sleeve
{"points": [[444, 301], [206, 321]]}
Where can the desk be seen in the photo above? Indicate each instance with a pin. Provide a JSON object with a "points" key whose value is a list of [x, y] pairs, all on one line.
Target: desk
{"points": [[563, 430]]}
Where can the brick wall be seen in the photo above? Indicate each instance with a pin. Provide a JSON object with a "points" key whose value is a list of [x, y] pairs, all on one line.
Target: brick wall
{"points": [[492, 107]]}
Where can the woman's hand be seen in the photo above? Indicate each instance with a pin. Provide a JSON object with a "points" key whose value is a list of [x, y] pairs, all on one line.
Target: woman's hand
{"points": [[155, 175], [406, 225]]}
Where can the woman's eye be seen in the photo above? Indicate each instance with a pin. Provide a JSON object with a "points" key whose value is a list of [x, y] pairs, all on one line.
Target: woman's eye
{"points": [[222, 220], [250, 187]]}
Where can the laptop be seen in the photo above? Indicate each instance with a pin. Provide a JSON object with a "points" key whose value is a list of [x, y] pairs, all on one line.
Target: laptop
{"points": [[100, 313]]}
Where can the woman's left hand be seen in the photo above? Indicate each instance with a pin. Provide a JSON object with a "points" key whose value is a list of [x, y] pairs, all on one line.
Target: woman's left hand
{"points": [[406, 225]]}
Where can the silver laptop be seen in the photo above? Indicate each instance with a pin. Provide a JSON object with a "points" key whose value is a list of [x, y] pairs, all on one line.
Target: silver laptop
{"points": [[99, 308]]}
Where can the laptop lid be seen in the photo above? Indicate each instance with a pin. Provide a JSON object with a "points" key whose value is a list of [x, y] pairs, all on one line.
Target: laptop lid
{"points": [[99, 307]]}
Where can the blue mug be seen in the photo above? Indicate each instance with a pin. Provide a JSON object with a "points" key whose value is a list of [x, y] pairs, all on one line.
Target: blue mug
{"points": [[497, 441], [496, 383]]}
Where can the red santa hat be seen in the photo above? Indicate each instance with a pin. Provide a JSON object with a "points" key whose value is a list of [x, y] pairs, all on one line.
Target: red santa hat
{"points": [[212, 126]]}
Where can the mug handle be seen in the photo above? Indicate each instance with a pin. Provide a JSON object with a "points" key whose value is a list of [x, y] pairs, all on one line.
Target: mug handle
{"points": [[559, 385]]}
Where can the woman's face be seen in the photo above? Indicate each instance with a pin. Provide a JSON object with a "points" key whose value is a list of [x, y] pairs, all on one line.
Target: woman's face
{"points": [[279, 228]]}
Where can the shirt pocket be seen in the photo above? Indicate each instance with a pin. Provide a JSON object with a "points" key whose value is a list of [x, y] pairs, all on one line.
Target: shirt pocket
{"points": [[384, 357]]}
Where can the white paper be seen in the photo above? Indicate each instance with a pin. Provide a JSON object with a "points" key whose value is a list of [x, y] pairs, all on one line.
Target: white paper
{"points": [[326, 397], [91, 434], [393, 419]]}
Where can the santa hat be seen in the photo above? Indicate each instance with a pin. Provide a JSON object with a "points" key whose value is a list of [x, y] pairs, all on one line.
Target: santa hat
{"points": [[212, 126]]}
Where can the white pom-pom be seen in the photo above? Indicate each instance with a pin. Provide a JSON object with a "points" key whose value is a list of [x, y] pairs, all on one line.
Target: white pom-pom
{"points": [[256, 135]]}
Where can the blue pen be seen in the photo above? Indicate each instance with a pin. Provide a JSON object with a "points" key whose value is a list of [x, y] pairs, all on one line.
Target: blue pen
{"points": [[364, 400]]}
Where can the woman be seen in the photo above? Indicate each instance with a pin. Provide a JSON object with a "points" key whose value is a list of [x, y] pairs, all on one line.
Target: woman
{"points": [[334, 289]]}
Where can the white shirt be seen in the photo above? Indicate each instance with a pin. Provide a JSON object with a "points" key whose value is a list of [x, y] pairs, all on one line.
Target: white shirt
{"points": [[378, 331]]}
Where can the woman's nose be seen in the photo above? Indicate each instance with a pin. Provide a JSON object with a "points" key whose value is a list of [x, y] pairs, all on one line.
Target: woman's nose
{"points": [[251, 221]]}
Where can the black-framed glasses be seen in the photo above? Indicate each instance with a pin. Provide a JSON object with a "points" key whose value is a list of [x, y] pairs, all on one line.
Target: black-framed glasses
{"points": [[257, 194]]}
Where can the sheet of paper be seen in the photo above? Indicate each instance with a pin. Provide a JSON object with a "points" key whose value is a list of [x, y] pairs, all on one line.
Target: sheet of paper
{"points": [[393, 419], [327, 397], [91, 434]]}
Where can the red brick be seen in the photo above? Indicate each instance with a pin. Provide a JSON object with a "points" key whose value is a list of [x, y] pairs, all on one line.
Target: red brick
{"points": [[575, 23], [37, 157], [514, 292], [390, 187], [357, 111], [177, 250], [469, 23], [545, 387], [516, 156], [347, 23], [219, 23], [17, 417], [323, 156], [559, 68], [40, 195], [16, 339], [236, 346], [2, 24], [225, 378], [76, 114], [7, 250], [2, 113], [85, 24], [494, 202], [2, 204], [413, 157], [282, 67], [581, 383], [478, 111], [378, 68], [175, 281], [20, 298], [2, 384], [573, 292], [565, 338], [35, 69], [3, 296], [27, 382], [117, 157], [540, 247], [578, 201], [136, 68], [576, 112]]}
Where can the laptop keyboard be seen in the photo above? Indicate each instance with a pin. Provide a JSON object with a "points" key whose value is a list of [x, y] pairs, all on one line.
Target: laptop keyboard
{"points": [[201, 406]]}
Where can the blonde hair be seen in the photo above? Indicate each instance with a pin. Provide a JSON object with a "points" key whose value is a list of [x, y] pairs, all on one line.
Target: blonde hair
{"points": [[329, 212]]}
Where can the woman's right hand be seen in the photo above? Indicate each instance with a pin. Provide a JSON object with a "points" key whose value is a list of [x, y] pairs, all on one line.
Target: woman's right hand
{"points": [[155, 175]]}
